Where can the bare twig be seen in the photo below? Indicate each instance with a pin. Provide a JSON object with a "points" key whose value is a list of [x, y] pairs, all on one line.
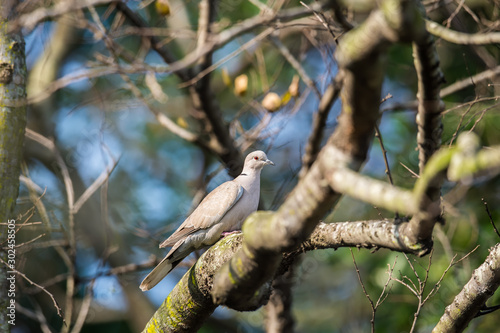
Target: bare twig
{"points": [[409, 170], [69, 259], [34, 190], [490, 217], [378, 135], [295, 64], [30, 20], [30, 241], [226, 58], [459, 125], [483, 112], [453, 88], [56, 305], [319, 122], [98, 182], [84, 309], [418, 288], [180, 67], [36, 315], [462, 84], [383, 294]]}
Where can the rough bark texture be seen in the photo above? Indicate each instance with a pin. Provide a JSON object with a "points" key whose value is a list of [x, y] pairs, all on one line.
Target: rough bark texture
{"points": [[467, 304], [189, 304], [430, 128], [279, 317], [12, 125]]}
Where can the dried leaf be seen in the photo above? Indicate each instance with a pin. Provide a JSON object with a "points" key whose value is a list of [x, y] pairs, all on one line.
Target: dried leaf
{"points": [[272, 102], [241, 85], [293, 89]]}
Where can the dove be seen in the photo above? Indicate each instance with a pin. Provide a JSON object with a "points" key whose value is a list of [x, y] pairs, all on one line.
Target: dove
{"points": [[222, 211]]}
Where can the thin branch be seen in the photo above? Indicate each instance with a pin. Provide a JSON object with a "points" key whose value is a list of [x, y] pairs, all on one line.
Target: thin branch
{"points": [[460, 122], [206, 71], [84, 309], [472, 80], [163, 119], [374, 309], [181, 67], [451, 89], [69, 259], [56, 305], [68, 184], [98, 182], [30, 20], [156, 45], [319, 122], [37, 315], [490, 217], [295, 64], [30, 241], [409, 170], [36, 199], [378, 135], [338, 15]]}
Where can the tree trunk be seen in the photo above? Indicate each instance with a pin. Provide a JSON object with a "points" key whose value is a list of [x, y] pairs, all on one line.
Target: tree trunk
{"points": [[12, 125]]}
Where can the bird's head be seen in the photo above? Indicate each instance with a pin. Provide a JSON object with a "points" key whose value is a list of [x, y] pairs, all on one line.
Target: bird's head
{"points": [[256, 161]]}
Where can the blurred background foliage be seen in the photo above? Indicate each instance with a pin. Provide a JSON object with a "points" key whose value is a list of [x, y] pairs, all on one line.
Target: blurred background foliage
{"points": [[97, 122]]}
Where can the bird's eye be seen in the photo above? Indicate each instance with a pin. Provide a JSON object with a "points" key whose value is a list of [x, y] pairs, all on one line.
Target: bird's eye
{"points": [[256, 158]]}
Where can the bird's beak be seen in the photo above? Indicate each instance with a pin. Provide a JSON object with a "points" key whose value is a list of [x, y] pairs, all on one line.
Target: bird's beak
{"points": [[269, 162]]}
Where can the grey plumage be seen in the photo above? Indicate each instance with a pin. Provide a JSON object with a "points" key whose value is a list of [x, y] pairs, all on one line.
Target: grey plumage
{"points": [[222, 210]]}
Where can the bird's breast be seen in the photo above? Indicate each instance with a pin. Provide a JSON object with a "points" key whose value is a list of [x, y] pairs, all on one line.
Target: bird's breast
{"points": [[234, 218]]}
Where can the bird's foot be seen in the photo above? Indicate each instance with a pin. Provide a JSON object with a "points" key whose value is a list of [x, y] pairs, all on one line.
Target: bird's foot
{"points": [[227, 233]]}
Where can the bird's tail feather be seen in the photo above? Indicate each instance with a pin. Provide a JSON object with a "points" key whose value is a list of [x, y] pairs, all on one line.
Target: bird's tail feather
{"points": [[158, 273]]}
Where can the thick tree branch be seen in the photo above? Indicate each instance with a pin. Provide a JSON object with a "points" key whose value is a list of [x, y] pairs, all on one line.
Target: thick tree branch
{"points": [[373, 234], [430, 128], [467, 304], [373, 191], [430, 105], [279, 317], [189, 304]]}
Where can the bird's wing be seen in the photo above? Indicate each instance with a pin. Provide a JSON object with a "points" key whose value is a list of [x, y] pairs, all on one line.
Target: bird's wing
{"points": [[209, 212]]}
